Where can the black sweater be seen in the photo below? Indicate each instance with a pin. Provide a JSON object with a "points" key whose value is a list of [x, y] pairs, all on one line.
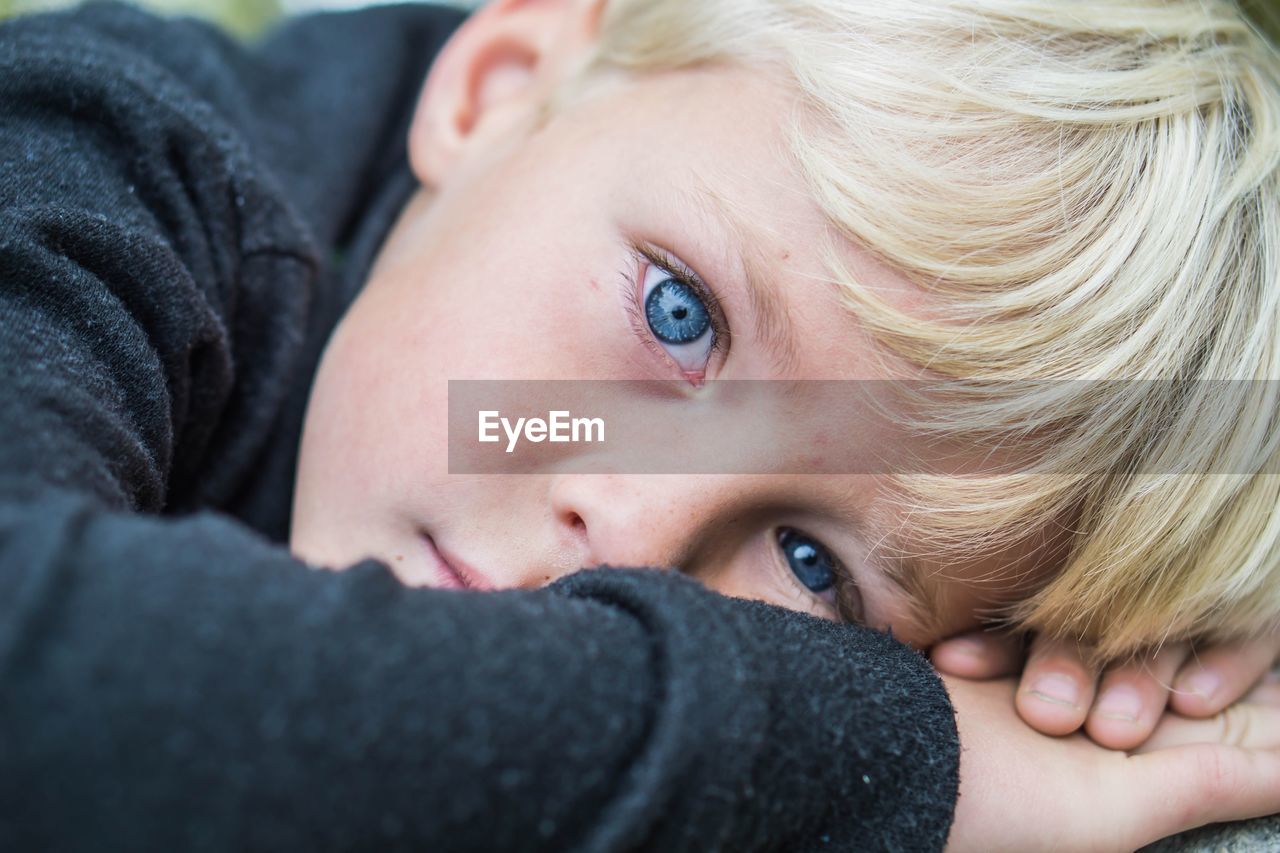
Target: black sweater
{"points": [[182, 220]]}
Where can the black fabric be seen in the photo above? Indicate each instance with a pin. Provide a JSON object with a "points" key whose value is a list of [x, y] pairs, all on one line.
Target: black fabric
{"points": [[182, 221]]}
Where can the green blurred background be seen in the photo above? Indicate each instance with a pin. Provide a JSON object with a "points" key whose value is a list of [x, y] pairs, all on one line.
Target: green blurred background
{"points": [[240, 16]]}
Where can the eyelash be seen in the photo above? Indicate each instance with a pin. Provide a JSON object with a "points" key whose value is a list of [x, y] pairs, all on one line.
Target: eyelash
{"points": [[668, 264], [849, 605]]}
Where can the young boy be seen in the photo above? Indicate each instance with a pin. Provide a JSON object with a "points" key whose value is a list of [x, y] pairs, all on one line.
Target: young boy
{"points": [[1008, 200], [184, 222]]}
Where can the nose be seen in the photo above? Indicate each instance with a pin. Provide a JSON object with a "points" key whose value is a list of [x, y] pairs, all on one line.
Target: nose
{"points": [[643, 521]]}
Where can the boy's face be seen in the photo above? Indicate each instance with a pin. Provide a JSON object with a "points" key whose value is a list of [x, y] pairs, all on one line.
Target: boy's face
{"points": [[519, 262]]}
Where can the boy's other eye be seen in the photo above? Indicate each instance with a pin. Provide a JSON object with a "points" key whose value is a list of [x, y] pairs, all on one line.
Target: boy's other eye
{"points": [[814, 565], [810, 561], [675, 314]]}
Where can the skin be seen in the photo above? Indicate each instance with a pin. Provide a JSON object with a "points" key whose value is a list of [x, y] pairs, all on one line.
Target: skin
{"points": [[373, 476], [1021, 790], [517, 222], [465, 289]]}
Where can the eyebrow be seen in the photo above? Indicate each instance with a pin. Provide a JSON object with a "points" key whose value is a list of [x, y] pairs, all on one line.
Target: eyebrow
{"points": [[769, 310]]}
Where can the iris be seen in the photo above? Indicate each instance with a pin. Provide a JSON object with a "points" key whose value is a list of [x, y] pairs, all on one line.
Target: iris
{"points": [[809, 559], [675, 313]]}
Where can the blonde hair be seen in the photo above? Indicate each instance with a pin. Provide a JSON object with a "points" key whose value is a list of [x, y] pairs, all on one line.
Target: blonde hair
{"points": [[1088, 190]]}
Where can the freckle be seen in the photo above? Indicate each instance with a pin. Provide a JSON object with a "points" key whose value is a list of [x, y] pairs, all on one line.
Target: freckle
{"points": [[786, 256], [399, 556]]}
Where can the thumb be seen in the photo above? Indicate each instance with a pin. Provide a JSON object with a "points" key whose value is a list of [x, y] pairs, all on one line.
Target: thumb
{"points": [[1180, 788], [1247, 725]]}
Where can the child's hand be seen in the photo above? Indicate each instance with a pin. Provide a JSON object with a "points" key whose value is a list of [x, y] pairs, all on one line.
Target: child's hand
{"points": [[1020, 790], [1059, 693]]}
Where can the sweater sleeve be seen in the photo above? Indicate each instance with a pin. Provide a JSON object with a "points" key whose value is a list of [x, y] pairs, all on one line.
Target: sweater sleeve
{"points": [[172, 680], [182, 685]]}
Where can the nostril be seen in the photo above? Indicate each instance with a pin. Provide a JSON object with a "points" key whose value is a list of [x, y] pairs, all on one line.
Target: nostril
{"points": [[575, 540], [571, 514], [571, 519]]}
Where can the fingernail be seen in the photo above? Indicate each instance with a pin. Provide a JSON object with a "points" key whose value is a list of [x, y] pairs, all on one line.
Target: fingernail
{"points": [[1120, 702], [1203, 682], [1056, 689]]}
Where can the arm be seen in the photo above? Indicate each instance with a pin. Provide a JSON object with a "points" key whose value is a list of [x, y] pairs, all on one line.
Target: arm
{"points": [[179, 684]]}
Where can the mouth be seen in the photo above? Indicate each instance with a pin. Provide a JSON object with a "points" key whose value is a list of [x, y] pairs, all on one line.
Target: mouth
{"points": [[453, 573]]}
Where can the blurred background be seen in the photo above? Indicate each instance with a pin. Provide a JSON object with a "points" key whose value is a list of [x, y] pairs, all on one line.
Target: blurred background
{"points": [[247, 17], [244, 17]]}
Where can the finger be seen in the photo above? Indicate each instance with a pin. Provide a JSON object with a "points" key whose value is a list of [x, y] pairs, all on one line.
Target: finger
{"points": [[1057, 687], [979, 655], [1221, 674], [1184, 787], [1132, 697], [1244, 725]]}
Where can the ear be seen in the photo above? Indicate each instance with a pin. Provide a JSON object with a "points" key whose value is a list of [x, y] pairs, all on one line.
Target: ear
{"points": [[497, 68]]}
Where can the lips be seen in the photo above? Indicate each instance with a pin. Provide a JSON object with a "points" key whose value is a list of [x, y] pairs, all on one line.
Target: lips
{"points": [[454, 573]]}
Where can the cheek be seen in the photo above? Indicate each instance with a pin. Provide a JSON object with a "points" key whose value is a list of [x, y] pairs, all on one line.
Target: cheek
{"points": [[376, 424], [352, 429], [538, 322], [510, 314], [376, 438]]}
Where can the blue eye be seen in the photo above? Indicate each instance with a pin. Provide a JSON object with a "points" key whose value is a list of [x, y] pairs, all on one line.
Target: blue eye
{"points": [[675, 313], [678, 317], [813, 565]]}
